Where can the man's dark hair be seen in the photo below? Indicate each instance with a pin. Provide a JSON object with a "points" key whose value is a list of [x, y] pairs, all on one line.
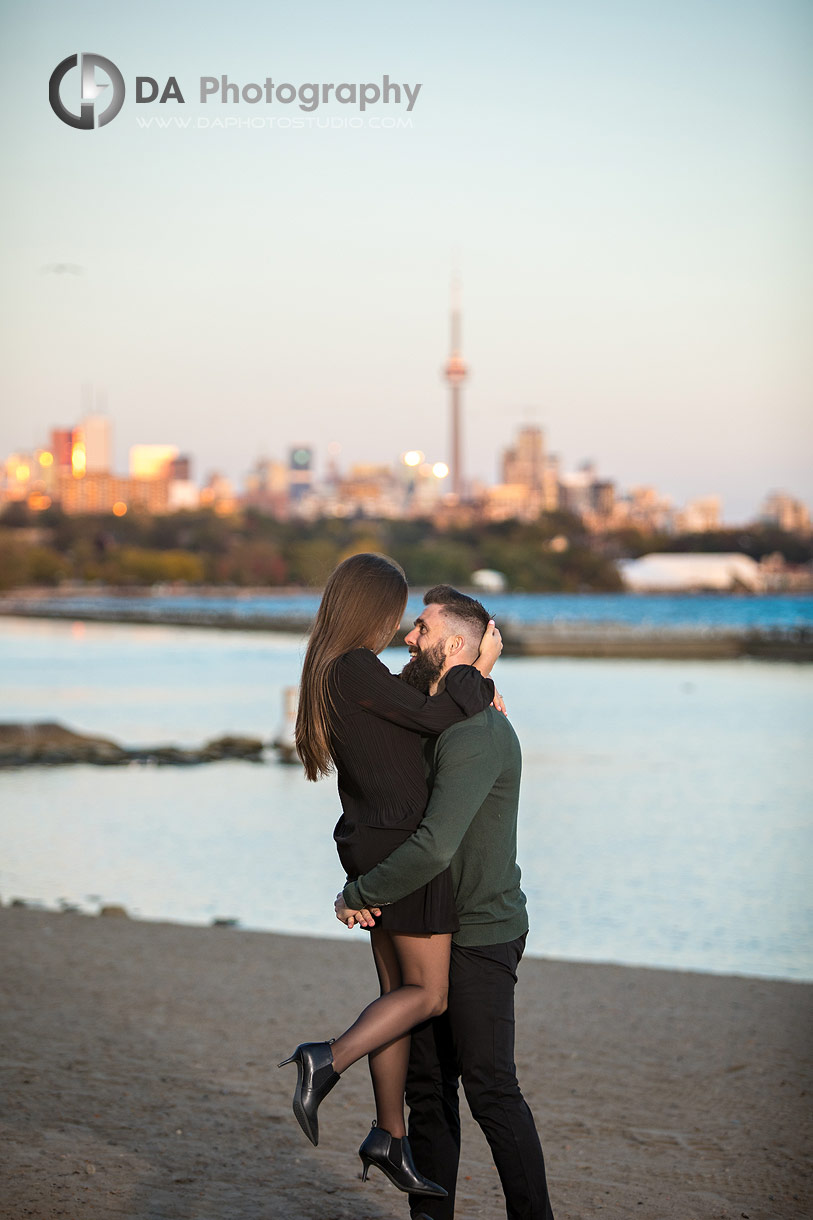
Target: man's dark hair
{"points": [[459, 605]]}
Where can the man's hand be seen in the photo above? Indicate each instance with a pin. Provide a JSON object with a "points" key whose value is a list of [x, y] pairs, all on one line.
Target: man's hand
{"points": [[498, 703], [490, 649], [364, 918]]}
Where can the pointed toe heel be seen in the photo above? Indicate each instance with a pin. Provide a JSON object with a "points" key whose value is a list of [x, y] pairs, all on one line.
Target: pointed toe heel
{"points": [[394, 1158], [315, 1077]]}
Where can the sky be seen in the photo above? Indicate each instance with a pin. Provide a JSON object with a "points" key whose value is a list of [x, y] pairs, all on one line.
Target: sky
{"points": [[625, 187]]}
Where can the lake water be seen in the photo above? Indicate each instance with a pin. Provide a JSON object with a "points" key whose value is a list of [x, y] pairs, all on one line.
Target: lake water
{"points": [[666, 815], [649, 611]]}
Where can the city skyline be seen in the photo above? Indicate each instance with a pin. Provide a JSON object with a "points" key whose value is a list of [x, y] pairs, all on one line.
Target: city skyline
{"points": [[75, 469], [625, 193]]}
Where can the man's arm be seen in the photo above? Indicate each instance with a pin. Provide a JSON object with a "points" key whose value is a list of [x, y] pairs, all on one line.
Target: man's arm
{"points": [[467, 764]]}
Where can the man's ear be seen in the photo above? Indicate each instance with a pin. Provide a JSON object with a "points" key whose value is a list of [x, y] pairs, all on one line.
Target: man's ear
{"points": [[454, 644]]}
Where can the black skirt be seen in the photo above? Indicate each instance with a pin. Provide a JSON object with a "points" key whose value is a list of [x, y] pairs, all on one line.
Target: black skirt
{"points": [[429, 910]]}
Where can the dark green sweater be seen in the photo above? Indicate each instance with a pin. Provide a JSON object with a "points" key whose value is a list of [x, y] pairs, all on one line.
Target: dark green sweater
{"points": [[471, 824]]}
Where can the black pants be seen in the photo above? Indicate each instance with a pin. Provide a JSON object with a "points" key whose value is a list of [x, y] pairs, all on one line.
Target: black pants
{"points": [[474, 1040]]}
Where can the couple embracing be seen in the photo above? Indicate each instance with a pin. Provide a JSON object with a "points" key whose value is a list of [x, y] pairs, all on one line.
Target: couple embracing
{"points": [[428, 775]]}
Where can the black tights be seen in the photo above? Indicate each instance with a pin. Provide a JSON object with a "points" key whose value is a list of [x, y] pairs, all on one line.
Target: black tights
{"points": [[413, 971]]}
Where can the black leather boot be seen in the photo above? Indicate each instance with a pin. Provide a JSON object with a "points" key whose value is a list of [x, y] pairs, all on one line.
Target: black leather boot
{"points": [[394, 1158], [315, 1078]]}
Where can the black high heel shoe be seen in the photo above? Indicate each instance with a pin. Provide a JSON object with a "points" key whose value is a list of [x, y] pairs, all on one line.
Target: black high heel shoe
{"points": [[315, 1078], [394, 1158]]}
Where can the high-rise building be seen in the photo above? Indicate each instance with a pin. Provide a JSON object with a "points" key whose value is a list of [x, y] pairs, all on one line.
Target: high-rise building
{"points": [[152, 461], [93, 433], [698, 516], [645, 508], [300, 474], [788, 513], [524, 462], [602, 498], [576, 489], [62, 447], [266, 487], [179, 468]]}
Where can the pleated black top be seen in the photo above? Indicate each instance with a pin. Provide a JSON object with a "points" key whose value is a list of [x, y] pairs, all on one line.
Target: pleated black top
{"points": [[378, 748]]}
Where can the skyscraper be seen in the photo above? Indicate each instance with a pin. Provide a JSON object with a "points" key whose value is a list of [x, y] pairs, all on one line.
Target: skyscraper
{"points": [[61, 447], [94, 433], [524, 462]]}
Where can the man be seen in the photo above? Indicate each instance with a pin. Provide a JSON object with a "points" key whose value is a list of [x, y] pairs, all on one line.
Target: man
{"points": [[471, 824]]}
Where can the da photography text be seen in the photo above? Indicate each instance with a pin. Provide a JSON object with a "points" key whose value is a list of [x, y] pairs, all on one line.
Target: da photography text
{"points": [[88, 90]]}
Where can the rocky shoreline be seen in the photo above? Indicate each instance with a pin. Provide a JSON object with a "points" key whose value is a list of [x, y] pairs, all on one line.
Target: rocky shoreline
{"points": [[51, 745]]}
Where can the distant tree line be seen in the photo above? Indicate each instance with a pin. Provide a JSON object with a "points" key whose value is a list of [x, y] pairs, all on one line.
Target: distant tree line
{"points": [[554, 554]]}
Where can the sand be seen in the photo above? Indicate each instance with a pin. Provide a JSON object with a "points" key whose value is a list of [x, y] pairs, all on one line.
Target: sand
{"points": [[139, 1080]]}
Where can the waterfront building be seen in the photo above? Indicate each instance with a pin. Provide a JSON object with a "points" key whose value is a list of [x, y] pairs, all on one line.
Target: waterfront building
{"points": [[698, 516], [93, 435], [783, 577], [300, 478], [217, 493], [18, 473], [371, 490], [267, 487], [109, 493], [152, 461], [511, 501], [645, 508], [61, 447], [180, 468], [677, 573], [423, 484], [182, 495], [524, 461], [576, 489], [530, 479], [788, 513]]}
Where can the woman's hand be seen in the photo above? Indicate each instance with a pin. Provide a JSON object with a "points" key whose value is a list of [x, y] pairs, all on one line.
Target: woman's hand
{"points": [[490, 649], [364, 918]]}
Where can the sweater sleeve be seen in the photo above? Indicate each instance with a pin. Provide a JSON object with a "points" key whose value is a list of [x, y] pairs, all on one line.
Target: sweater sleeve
{"points": [[366, 681], [467, 766]]}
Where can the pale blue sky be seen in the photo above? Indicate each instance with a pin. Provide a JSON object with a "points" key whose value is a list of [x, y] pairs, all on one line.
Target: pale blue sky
{"points": [[628, 185]]}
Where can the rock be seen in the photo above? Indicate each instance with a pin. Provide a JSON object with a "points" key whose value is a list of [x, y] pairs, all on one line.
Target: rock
{"points": [[233, 747], [172, 756], [286, 753], [50, 743], [114, 912], [23, 745]]}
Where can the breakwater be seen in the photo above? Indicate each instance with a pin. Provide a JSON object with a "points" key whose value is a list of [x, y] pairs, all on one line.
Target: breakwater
{"points": [[570, 638]]}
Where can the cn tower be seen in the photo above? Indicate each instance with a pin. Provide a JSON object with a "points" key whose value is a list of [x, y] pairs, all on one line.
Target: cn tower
{"points": [[455, 373]]}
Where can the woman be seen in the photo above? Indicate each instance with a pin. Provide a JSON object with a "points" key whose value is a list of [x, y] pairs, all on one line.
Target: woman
{"points": [[356, 717]]}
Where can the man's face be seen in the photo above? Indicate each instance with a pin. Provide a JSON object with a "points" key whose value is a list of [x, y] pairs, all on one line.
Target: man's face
{"points": [[427, 646]]}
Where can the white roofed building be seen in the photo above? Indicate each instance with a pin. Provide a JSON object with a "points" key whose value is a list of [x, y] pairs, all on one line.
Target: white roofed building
{"points": [[666, 572]]}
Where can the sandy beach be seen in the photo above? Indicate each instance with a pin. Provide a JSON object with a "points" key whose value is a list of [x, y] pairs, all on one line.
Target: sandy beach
{"points": [[140, 1081]]}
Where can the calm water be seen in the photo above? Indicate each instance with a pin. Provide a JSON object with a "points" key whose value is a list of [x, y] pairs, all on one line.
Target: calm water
{"points": [[703, 611], [666, 814]]}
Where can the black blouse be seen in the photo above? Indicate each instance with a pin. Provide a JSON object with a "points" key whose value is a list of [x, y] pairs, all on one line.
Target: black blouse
{"points": [[377, 737]]}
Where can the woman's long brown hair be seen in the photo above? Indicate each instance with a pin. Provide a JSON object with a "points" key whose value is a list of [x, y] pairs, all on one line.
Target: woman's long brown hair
{"points": [[363, 599]]}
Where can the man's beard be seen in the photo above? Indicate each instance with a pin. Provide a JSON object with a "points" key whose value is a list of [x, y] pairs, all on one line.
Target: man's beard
{"points": [[425, 668]]}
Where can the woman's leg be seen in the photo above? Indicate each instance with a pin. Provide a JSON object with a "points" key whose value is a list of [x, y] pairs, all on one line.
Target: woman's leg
{"points": [[388, 1064], [420, 964]]}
